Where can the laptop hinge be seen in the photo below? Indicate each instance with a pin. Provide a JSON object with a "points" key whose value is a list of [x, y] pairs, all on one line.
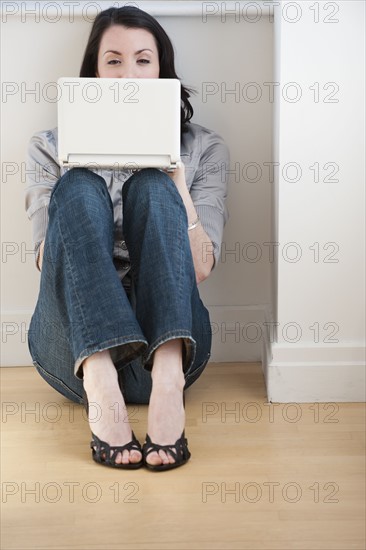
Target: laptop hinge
{"points": [[120, 162]]}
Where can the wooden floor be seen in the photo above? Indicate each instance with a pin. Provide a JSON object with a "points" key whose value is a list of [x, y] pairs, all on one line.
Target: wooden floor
{"points": [[262, 476]]}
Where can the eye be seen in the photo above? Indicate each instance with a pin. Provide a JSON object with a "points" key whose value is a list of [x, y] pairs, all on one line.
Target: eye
{"points": [[145, 60], [111, 62]]}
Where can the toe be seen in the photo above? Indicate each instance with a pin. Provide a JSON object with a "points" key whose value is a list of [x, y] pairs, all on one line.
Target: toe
{"points": [[135, 456], [154, 459], [170, 459], [118, 459], [164, 457], [125, 457]]}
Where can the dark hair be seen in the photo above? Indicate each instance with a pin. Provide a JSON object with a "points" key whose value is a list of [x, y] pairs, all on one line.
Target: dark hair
{"points": [[133, 17]]}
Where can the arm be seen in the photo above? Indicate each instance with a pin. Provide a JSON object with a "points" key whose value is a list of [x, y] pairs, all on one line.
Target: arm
{"points": [[201, 245], [206, 198], [39, 256], [43, 171]]}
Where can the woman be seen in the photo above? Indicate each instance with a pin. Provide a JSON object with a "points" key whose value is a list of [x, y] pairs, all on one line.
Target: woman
{"points": [[148, 339]]}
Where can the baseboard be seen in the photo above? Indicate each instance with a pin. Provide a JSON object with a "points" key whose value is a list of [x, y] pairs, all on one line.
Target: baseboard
{"points": [[314, 374]]}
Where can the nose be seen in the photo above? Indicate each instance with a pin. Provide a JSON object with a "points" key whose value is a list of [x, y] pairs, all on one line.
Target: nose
{"points": [[128, 72]]}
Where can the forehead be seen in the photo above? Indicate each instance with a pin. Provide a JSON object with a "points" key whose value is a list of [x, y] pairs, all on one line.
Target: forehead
{"points": [[127, 38]]}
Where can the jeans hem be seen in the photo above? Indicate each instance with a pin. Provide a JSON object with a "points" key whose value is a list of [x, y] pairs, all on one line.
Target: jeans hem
{"points": [[172, 335], [114, 342], [191, 376]]}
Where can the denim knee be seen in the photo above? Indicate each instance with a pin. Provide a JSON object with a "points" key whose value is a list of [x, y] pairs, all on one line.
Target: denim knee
{"points": [[75, 180], [80, 190], [80, 213], [148, 181]]}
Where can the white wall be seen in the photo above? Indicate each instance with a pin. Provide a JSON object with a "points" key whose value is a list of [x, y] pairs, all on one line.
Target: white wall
{"points": [[227, 53], [327, 293]]}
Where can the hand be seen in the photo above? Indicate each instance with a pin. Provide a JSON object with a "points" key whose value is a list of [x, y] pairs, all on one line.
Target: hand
{"points": [[178, 175]]}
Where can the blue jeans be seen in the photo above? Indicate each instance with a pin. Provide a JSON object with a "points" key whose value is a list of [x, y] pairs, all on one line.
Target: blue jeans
{"points": [[83, 306]]}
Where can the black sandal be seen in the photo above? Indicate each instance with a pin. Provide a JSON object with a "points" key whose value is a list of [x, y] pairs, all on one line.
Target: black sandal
{"points": [[179, 451], [98, 447]]}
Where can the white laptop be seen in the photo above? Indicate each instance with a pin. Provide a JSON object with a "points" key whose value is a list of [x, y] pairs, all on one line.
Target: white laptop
{"points": [[119, 123]]}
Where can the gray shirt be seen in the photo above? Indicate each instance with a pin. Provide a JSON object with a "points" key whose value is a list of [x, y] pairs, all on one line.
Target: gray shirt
{"points": [[206, 159]]}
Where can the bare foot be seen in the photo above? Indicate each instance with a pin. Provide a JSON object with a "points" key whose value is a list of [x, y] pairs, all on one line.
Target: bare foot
{"points": [[166, 417], [108, 417]]}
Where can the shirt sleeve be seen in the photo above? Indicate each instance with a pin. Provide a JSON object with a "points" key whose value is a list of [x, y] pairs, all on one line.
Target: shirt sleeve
{"points": [[210, 187], [42, 172]]}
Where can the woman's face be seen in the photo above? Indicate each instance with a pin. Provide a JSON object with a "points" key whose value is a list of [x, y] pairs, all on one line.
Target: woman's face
{"points": [[127, 53]]}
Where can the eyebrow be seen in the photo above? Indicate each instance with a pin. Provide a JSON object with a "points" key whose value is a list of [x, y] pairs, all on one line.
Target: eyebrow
{"points": [[136, 53]]}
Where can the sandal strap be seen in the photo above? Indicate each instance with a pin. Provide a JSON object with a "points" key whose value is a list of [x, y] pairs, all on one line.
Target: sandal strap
{"points": [[179, 451], [99, 447]]}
